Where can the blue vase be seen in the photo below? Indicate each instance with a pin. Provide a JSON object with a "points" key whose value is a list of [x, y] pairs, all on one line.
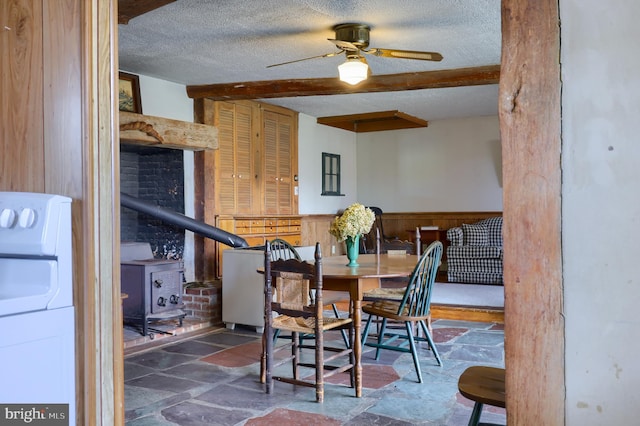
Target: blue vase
{"points": [[353, 249]]}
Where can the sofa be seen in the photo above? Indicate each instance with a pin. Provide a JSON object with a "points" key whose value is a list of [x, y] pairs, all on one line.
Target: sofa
{"points": [[474, 254]]}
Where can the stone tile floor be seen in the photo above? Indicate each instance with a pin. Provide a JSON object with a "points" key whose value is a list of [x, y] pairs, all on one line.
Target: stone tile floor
{"points": [[213, 379]]}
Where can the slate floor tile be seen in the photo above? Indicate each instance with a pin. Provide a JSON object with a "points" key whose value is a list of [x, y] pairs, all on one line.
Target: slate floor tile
{"points": [[185, 384]]}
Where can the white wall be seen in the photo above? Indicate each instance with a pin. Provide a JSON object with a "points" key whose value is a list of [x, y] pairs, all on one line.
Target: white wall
{"points": [[452, 165], [313, 140], [601, 210]]}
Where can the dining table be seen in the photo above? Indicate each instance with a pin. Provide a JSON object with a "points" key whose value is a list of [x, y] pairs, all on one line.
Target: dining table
{"points": [[357, 280]]}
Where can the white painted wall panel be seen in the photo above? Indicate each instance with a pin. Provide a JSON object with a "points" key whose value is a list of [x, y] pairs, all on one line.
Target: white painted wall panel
{"points": [[601, 209], [452, 165]]}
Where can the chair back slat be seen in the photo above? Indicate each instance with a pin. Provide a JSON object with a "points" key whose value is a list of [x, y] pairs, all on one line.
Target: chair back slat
{"points": [[417, 297], [281, 249]]}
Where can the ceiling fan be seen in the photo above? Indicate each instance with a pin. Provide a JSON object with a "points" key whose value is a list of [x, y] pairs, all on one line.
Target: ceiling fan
{"points": [[353, 40]]}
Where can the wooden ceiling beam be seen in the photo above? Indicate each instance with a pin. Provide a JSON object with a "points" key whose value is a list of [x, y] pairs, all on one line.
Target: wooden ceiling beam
{"points": [[129, 9], [476, 76]]}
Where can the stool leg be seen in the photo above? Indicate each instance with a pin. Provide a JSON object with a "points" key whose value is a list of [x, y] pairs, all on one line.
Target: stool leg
{"points": [[475, 414]]}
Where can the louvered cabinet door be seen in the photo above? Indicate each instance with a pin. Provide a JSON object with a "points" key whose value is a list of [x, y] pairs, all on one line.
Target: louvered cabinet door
{"points": [[244, 160], [270, 163], [234, 173], [279, 159]]}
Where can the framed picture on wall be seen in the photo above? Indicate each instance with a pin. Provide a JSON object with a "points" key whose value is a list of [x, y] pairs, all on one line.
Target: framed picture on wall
{"points": [[129, 93]]}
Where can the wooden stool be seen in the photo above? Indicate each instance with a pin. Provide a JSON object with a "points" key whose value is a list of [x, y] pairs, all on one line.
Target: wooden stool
{"points": [[484, 385]]}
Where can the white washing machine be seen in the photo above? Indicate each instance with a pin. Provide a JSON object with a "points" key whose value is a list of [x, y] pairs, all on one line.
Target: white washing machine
{"points": [[37, 349]]}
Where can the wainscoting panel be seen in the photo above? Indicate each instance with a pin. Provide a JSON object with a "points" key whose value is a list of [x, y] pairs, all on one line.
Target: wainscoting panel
{"points": [[316, 227]]}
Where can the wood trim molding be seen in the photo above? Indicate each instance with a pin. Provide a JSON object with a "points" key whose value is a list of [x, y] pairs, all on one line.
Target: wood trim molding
{"points": [[140, 129], [476, 76]]}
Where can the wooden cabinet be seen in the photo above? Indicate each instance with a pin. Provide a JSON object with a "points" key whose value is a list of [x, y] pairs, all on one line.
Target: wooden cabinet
{"points": [[252, 176], [257, 230], [235, 179]]}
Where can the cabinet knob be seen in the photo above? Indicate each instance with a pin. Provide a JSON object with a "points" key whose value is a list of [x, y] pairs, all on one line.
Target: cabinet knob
{"points": [[158, 283], [174, 299], [162, 301]]}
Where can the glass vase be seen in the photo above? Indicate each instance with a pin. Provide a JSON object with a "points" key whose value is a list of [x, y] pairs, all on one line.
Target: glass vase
{"points": [[353, 249]]}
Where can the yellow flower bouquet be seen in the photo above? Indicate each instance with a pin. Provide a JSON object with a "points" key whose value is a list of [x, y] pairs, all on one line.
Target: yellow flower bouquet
{"points": [[354, 221]]}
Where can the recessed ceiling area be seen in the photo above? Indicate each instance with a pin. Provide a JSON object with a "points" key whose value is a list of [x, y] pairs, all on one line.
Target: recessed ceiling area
{"points": [[374, 121]]}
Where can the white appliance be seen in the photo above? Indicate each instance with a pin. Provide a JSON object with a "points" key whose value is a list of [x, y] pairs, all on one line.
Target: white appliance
{"points": [[37, 349], [243, 287]]}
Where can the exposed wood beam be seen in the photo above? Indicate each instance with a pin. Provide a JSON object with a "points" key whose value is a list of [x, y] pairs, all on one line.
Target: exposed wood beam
{"points": [[160, 132], [129, 9], [477, 76]]}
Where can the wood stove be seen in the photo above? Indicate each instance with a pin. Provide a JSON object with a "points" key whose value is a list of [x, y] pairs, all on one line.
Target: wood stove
{"points": [[153, 287]]}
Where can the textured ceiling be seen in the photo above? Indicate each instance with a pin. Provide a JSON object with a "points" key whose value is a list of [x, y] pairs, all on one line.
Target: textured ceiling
{"points": [[196, 42]]}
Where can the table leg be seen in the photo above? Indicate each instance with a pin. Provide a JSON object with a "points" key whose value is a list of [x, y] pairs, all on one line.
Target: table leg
{"points": [[357, 345]]}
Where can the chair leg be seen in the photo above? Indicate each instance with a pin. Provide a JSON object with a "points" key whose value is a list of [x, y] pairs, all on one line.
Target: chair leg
{"points": [[319, 366], [267, 342], [475, 414], [295, 353], [414, 353], [365, 331], [343, 331], [352, 372], [263, 366], [427, 334], [381, 331]]}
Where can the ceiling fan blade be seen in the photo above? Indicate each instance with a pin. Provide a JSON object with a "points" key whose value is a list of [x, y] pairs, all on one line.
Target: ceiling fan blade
{"points": [[404, 54], [344, 45], [326, 55]]}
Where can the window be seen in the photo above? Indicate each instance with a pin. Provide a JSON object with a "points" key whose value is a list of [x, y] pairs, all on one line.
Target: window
{"points": [[330, 174]]}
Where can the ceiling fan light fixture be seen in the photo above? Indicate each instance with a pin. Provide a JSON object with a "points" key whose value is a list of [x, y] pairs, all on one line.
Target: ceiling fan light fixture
{"points": [[353, 71]]}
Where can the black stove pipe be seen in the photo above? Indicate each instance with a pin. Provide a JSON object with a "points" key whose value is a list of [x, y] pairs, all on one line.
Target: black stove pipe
{"points": [[182, 221]]}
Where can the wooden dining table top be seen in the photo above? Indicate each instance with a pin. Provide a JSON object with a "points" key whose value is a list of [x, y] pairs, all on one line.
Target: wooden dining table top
{"points": [[369, 266]]}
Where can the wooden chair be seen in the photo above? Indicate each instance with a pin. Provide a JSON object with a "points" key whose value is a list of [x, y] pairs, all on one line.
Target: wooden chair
{"points": [[297, 313], [398, 245], [412, 310], [368, 241], [281, 249], [484, 385], [394, 288]]}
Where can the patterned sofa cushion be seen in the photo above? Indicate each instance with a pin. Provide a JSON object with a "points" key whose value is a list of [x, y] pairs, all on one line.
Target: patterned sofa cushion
{"points": [[494, 229], [454, 235], [475, 235]]}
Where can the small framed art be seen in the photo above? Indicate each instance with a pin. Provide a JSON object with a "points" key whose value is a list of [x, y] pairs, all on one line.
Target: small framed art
{"points": [[129, 93]]}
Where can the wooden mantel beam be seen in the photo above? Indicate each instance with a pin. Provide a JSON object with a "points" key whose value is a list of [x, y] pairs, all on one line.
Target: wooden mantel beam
{"points": [[476, 76]]}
